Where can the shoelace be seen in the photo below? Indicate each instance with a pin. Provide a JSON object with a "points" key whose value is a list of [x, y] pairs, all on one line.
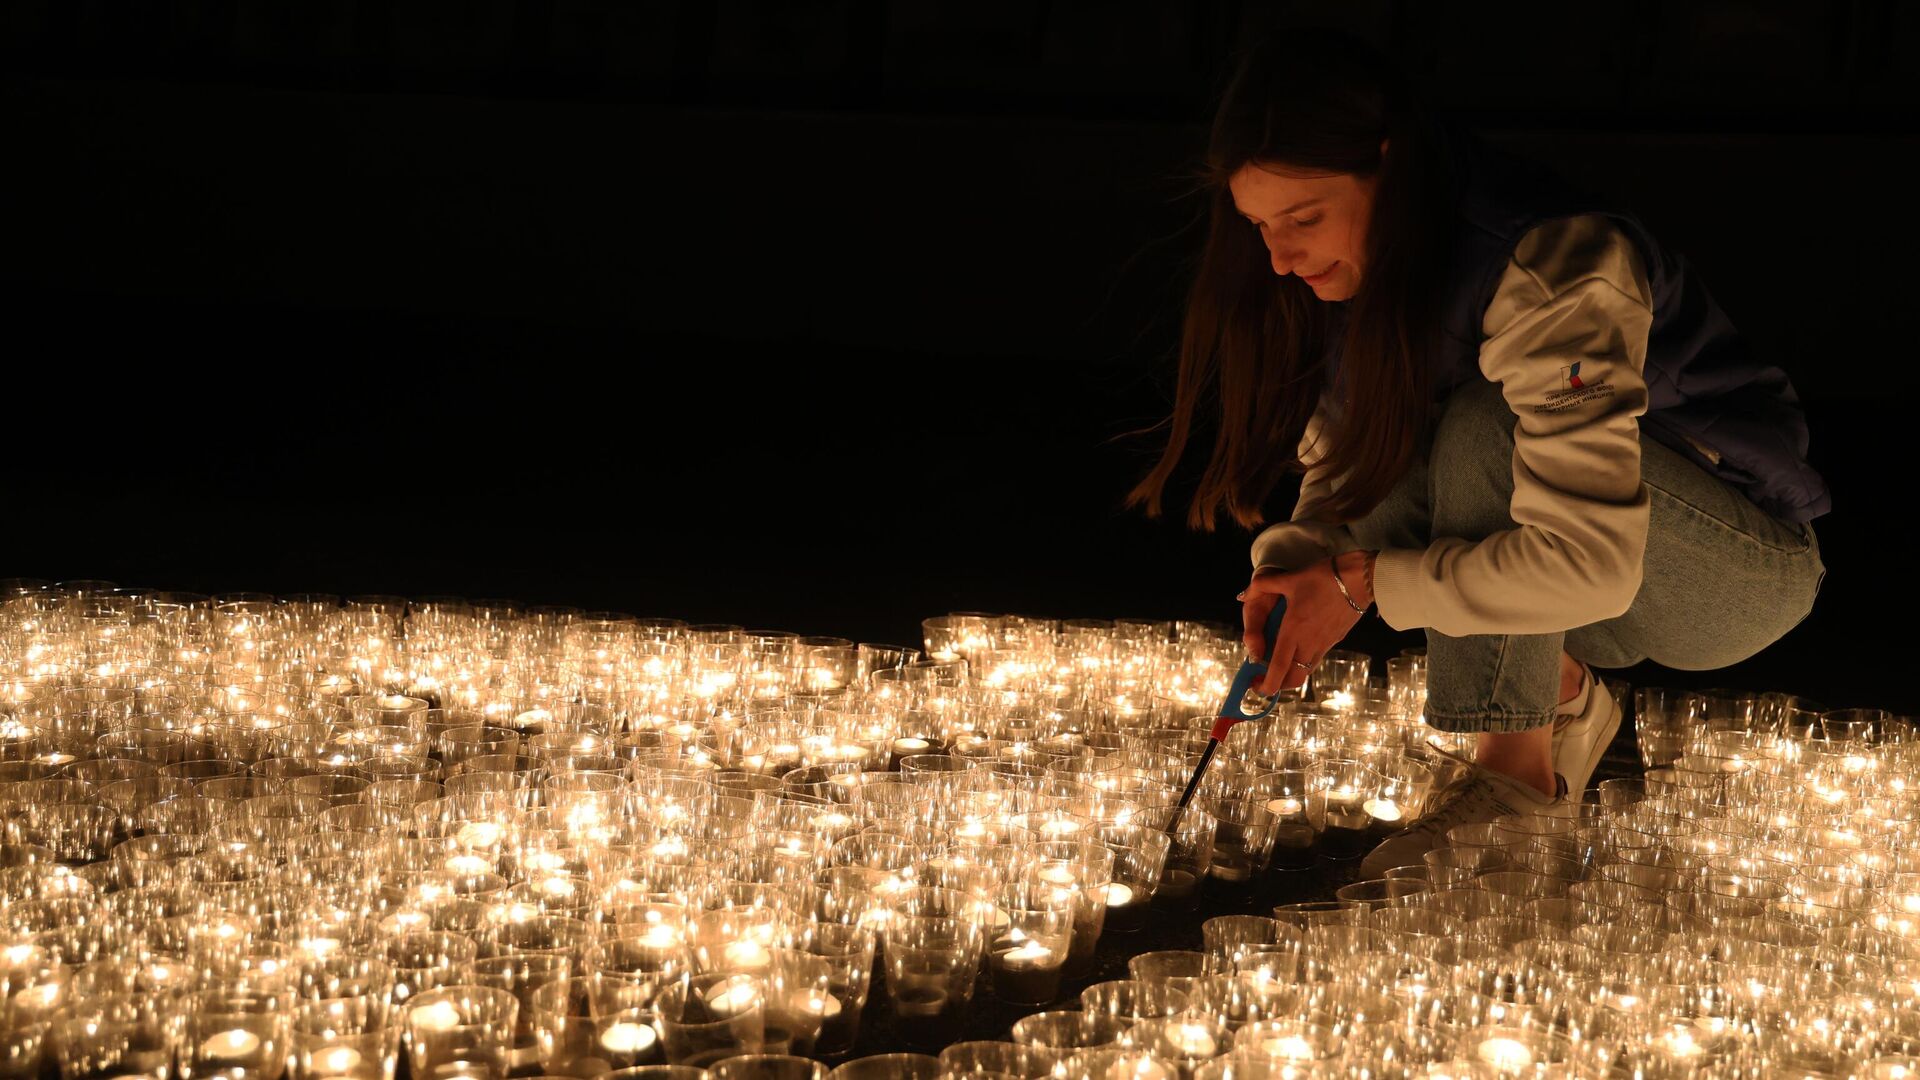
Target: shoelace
{"points": [[1449, 798]]}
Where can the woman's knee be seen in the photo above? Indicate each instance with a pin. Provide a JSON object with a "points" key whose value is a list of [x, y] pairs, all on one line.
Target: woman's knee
{"points": [[1471, 463]]}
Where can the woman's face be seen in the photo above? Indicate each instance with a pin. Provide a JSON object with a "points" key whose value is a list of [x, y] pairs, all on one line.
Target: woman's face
{"points": [[1315, 227]]}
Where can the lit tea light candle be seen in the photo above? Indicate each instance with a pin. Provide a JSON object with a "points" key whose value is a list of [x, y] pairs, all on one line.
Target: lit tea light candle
{"points": [[730, 997], [1285, 807], [1507, 1055], [1138, 1068], [1119, 895], [1383, 809], [231, 1045], [469, 865], [824, 1006], [627, 1038], [910, 745], [1193, 1040], [337, 1061], [746, 954], [1058, 873], [660, 936], [1287, 1047], [439, 1016], [1030, 954]]}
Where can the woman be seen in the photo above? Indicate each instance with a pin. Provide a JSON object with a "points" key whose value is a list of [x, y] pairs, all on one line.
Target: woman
{"points": [[1519, 421]]}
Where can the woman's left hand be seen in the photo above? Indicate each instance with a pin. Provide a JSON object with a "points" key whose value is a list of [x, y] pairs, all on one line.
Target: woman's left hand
{"points": [[1318, 616]]}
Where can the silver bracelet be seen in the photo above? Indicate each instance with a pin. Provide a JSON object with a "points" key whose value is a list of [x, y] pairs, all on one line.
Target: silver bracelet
{"points": [[1335, 567]]}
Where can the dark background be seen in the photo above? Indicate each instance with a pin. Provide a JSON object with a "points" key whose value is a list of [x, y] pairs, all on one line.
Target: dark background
{"points": [[815, 314]]}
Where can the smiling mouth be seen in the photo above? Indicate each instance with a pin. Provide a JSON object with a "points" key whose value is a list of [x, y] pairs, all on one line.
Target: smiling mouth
{"points": [[1321, 274]]}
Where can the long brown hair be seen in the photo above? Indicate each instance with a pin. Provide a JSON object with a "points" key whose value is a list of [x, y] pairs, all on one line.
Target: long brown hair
{"points": [[1253, 344]]}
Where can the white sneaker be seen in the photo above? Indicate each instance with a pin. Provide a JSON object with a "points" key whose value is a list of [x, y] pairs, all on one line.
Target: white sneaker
{"points": [[1481, 795], [1579, 742]]}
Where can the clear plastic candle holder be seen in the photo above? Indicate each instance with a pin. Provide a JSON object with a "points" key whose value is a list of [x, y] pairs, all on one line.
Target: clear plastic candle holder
{"points": [[706, 1018], [889, 1067], [849, 953], [236, 1036], [931, 965], [345, 1038], [461, 1031], [767, 1067]]}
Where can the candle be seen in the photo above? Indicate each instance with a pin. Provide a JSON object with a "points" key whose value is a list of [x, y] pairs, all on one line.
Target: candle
{"points": [[1507, 1055], [825, 1006], [1290, 1047], [469, 865], [231, 1045], [1058, 873], [1384, 810], [439, 1016], [1138, 1069], [1118, 895], [627, 1038], [1193, 1040], [1284, 807], [731, 997], [336, 1061], [660, 936], [904, 747], [746, 954], [1030, 954], [477, 834], [1025, 971]]}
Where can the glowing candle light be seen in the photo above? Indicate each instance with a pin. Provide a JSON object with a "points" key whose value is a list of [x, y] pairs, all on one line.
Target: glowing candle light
{"points": [[1507, 1055], [231, 1045], [337, 1060], [1057, 874], [733, 996], [478, 834], [1383, 809], [1288, 1047], [439, 1016], [1030, 954], [746, 954], [627, 1038], [468, 865], [824, 1006], [1193, 1040]]}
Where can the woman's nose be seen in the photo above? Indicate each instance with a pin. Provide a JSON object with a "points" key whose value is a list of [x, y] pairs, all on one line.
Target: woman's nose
{"points": [[1284, 259]]}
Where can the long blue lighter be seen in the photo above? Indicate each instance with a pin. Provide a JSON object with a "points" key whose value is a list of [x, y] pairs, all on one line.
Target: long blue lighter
{"points": [[1233, 710]]}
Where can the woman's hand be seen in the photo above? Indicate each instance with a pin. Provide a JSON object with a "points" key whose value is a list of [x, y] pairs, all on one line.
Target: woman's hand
{"points": [[1318, 615]]}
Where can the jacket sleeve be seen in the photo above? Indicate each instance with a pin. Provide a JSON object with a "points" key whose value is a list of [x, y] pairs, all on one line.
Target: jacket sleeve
{"points": [[1292, 544], [1566, 340]]}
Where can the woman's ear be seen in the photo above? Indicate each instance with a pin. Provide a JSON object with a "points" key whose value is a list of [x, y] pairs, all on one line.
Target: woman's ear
{"points": [[1383, 150]]}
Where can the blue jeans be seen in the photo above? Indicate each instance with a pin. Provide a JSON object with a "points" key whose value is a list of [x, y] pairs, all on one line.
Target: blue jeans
{"points": [[1723, 579]]}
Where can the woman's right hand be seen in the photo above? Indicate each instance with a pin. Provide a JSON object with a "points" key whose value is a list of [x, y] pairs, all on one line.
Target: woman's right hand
{"points": [[1318, 618]]}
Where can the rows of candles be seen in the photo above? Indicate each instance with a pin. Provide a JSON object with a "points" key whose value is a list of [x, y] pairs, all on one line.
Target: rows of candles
{"points": [[256, 837]]}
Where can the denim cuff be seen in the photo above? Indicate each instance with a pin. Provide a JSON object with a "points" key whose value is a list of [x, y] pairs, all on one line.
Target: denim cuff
{"points": [[1501, 721]]}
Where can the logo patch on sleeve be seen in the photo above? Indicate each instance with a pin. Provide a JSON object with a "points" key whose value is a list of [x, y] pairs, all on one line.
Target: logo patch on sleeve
{"points": [[1574, 391]]}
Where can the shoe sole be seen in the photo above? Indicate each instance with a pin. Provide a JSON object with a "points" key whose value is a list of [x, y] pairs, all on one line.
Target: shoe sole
{"points": [[1579, 793]]}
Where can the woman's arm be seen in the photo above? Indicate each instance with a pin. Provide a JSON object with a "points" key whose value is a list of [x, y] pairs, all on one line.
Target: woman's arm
{"points": [[1292, 544], [1575, 291]]}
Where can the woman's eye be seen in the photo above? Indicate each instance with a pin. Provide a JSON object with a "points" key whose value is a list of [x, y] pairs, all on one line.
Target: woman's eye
{"points": [[1304, 222]]}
